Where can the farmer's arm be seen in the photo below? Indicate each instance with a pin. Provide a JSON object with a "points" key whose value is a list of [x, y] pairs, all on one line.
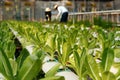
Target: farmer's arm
{"points": [[59, 13]]}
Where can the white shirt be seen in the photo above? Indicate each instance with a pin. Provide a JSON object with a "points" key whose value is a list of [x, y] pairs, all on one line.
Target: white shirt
{"points": [[61, 10]]}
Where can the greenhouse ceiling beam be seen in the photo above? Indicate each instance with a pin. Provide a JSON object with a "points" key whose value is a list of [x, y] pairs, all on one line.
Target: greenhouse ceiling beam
{"points": [[58, 0]]}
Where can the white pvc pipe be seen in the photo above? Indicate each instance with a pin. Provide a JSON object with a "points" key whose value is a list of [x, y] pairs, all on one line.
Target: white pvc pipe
{"points": [[68, 75], [117, 60], [113, 70], [48, 65], [1, 77], [30, 48], [96, 12]]}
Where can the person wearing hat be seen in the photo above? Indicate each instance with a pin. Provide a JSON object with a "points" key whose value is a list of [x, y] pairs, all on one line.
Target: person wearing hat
{"points": [[48, 14], [63, 12]]}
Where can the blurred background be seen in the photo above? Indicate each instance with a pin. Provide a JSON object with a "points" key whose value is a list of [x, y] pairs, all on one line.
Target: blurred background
{"points": [[33, 10]]}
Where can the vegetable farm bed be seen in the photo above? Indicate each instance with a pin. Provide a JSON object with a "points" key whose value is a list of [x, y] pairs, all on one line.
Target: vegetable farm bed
{"points": [[88, 52]]}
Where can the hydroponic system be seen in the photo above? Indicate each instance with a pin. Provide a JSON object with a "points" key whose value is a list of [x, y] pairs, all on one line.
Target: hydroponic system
{"points": [[58, 51]]}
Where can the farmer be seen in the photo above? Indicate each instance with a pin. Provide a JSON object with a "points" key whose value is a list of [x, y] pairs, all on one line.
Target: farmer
{"points": [[48, 14], [62, 12]]}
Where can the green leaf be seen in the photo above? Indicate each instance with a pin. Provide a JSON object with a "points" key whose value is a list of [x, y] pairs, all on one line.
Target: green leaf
{"points": [[9, 48], [47, 48], [79, 61], [111, 37], [117, 52], [54, 78], [108, 76], [6, 66], [84, 41], [40, 54], [101, 38], [118, 75], [92, 68], [92, 44], [73, 34], [107, 59], [66, 51], [52, 71], [23, 55], [30, 69], [51, 40], [2, 69], [82, 60], [14, 66]]}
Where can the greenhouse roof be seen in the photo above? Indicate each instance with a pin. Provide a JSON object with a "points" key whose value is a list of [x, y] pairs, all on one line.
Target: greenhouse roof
{"points": [[58, 0]]}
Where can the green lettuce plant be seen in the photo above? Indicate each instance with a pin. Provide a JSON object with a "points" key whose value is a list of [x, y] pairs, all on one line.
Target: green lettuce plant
{"points": [[73, 44], [30, 64], [78, 64]]}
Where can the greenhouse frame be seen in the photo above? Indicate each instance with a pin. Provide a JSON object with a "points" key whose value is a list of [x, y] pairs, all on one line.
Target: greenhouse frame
{"points": [[34, 9]]}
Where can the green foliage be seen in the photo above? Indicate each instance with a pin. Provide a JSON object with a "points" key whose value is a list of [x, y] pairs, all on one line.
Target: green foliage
{"points": [[107, 59], [9, 48], [23, 55], [5, 65], [103, 23], [79, 64], [108, 76], [78, 46], [20, 69], [31, 64], [87, 23], [92, 68]]}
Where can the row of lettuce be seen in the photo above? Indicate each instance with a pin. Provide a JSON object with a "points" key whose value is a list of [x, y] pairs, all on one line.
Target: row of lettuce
{"points": [[16, 63], [90, 52]]}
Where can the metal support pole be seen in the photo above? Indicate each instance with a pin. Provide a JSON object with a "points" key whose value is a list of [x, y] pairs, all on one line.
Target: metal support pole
{"points": [[73, 12], [1, 9]]}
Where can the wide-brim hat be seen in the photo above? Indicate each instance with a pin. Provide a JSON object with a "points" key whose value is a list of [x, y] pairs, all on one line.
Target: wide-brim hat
{"points": [[55, 6], [47, 9]]}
